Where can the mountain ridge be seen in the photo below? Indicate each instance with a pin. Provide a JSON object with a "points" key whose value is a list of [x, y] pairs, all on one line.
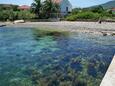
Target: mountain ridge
{"points": [[107, 5]]}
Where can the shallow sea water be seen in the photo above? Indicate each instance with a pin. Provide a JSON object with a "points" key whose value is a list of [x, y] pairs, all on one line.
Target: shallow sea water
{"points": [[32, 57]]}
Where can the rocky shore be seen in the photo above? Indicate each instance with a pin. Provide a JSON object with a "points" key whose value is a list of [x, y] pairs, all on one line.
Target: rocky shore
{"points": [[106, 28]]}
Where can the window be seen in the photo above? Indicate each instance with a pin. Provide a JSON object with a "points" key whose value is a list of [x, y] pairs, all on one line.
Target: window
{"points": [[66, 9]]}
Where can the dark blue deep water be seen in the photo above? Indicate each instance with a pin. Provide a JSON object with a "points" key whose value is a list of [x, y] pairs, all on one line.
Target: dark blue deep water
{"points": [[31, 57]]}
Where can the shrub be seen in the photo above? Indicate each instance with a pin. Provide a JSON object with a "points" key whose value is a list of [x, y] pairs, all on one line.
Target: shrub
{"points": [[25, 15], [98, 9], [83, 15], [13, 15], [88, 15], [71, 17], [4, 15]]}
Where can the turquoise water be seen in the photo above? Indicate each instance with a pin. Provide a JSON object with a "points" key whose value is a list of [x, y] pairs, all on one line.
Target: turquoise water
{"points": [[31, 57]]}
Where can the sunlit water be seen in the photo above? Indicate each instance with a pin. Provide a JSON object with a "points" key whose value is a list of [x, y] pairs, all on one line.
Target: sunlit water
{"points": [[29, 57]]}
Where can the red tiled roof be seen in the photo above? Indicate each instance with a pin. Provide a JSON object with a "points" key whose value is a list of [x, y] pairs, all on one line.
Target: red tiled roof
{"points": [[24, 7], [57, 1], [113, 9]]}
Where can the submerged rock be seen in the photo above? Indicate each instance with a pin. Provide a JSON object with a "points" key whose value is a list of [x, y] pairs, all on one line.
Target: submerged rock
{"points": [[113, 34], [104, 34]]}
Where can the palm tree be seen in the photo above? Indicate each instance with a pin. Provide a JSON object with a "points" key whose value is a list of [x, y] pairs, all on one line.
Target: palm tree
{"points": [[36, 6], [50, 7]]}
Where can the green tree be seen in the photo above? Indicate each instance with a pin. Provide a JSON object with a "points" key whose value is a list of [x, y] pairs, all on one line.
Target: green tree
{"points": [[4, 15], [11, 15], [98, 9], [50, 7], [25, 15], [36, 6]]}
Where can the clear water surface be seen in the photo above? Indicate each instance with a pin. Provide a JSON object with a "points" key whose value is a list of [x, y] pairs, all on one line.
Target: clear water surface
{"points": [[30, 57]]}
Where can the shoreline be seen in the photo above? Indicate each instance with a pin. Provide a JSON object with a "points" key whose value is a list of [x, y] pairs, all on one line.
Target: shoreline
{"points": [[106, 28]]}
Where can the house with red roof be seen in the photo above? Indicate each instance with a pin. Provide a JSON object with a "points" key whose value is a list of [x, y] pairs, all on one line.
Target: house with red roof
{"points": [[24, 7], [113, 10]]}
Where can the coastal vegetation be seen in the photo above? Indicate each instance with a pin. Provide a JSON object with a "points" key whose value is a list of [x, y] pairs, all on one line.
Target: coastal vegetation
{"points": [[47, 9], [86, 14], [44, 10], [11, 12], [39, 10]]}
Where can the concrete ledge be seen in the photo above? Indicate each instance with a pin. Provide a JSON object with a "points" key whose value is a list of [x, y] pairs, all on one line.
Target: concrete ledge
{"points": [[109, 79]]}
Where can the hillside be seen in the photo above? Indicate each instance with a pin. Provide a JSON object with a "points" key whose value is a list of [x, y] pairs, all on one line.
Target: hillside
{"points": [[8, 6], [107, 5], [110, 4]]}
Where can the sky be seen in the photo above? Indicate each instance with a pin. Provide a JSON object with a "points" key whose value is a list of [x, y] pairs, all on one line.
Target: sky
{"points": [[75, 3]]}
